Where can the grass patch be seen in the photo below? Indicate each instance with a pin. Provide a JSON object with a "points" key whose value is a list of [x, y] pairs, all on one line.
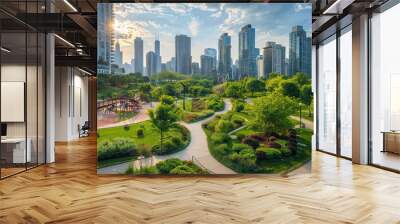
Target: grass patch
{"points": [[146, 142]]}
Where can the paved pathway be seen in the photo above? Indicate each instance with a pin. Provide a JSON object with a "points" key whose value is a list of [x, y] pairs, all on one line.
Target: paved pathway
{"points": [[198, 148], [307, 123]]}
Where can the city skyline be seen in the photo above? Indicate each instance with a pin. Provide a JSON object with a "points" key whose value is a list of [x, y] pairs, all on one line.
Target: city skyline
{"points": [[149, 21]]}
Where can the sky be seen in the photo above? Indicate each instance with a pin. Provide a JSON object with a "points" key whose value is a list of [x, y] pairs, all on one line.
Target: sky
{"points": [[204, 23]]}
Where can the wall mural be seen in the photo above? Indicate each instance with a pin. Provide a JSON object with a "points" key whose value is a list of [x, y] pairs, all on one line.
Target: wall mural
{"points": [[201, 89]]}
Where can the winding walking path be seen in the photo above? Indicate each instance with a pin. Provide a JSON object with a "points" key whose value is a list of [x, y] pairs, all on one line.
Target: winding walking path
{"points": [[198, 148]]}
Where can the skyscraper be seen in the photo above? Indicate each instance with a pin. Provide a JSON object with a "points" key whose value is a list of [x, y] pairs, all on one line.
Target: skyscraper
{"points": [[247, 51], [260, 66], [104, 38], [151, 63], [274, 58], [224, 57], [298, 50], [308, 56], [207, 65], [170, 65], [212, 53], [118, 55], [158, 55], [138, 43], [195, 68], [183, 54]]}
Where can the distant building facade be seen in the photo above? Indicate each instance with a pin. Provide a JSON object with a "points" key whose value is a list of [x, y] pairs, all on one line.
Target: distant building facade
{"points": [[299, 51], [274, 58], [247, 51], [138, 55], [183, 54], [224, 57], [104, 43], [151, 63]]}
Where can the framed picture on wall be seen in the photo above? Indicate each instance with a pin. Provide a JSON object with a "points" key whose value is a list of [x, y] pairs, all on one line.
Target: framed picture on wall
{"points": [[204, 88]]}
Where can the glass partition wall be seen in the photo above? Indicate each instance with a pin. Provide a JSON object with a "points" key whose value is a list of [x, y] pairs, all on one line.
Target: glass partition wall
{"points": [[22, 77], [385, 89], [334, 86]]}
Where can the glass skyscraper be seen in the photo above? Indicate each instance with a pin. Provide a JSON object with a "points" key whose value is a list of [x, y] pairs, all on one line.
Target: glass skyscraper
{"points": [[138, 52], [224, 57], [104, 33], [247, 51], [183, 54], [299, 51]]}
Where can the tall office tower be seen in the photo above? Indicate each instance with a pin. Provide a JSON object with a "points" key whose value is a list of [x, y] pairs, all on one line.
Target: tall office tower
{"points": [[235, 72], [260, 67], [138, 48], [195, 68], [274, 58], [170, 65], [151, 63], [308, 56], [212, 53], [247, 51], [158, 55], [207, 65], [298, 51], [286, 66], [118, 55], [104, 33], [224, 57], [133, 65], [183, 54], [163, 67]]}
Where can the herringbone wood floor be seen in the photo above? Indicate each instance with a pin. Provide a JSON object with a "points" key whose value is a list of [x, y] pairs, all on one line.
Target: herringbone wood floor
{"points": [[69, 191]]}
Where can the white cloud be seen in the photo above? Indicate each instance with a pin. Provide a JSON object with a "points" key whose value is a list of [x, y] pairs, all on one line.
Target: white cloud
{"points": [[194, 27], [302, 6]]}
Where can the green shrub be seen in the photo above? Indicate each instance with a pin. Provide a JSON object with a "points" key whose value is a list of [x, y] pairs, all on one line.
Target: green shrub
{"points": [[182, 169], [118, 147], [238, 122], [176, 141], [238, 106], [167, 165], [222, 148], [224, 126], [251, 142], [240, 136], [220, 138], [268, 153], [285, 152], [245, 158], [140, 133], [126, 127], [237, 147], [215, 103]]}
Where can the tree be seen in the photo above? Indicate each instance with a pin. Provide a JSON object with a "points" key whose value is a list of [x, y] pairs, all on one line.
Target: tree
{"points": [[274, 82], [169, 89], [289, 88], [306, 96], [167, 100], [163, 118], [254, 85], [272, 113], [301, 79], [145, 92], [156, 93], [234, 90]]}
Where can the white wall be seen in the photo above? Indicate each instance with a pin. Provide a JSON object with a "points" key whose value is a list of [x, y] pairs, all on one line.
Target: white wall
{"points": [[71, 102]]}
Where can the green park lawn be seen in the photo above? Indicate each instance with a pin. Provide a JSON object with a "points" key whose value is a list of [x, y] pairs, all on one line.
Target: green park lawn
{"points": [[150, 138]]}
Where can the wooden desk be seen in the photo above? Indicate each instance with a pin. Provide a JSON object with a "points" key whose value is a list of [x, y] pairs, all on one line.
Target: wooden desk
{"points": [[13, 150], [391, 141]]}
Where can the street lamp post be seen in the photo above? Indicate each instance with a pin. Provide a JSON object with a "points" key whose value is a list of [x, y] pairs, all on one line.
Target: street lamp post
{"points": [[184, 96]]}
